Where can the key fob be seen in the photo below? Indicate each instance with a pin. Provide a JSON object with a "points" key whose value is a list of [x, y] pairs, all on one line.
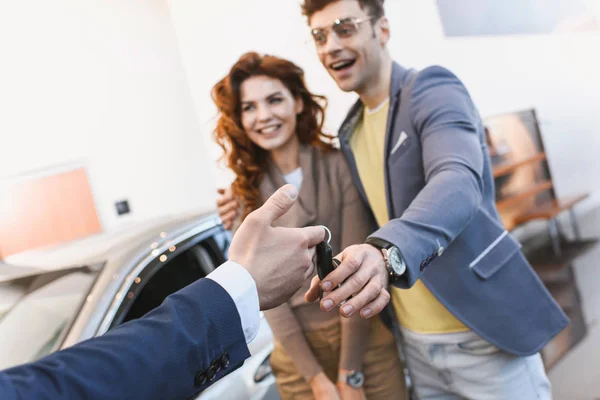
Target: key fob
{"points": [[324, 259]]}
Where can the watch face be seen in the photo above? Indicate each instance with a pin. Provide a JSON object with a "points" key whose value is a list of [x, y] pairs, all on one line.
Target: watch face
{"points": [[396, 261], [356, 379]]}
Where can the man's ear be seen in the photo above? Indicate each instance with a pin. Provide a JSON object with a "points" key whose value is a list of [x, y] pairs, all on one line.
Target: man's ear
{"points": [[383, 27], [299, 105]]}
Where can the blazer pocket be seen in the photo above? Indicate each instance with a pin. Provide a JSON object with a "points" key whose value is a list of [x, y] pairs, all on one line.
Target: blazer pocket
{"points": [[495, 256], [397, 152]]}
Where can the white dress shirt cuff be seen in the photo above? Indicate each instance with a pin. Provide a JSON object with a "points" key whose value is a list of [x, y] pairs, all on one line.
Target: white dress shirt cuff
{"points": [[240, 285]]}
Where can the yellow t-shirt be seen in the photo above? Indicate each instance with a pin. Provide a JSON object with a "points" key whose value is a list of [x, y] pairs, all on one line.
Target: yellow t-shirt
{"points": [[417, 308]]}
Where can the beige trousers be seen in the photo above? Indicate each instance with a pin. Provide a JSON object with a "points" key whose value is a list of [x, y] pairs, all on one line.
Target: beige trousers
{"points": [[382, 368]]}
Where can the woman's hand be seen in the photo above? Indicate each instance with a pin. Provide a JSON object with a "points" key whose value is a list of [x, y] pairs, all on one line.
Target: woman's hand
{"points": [[347, 392], [227, 206], [323, 388]]}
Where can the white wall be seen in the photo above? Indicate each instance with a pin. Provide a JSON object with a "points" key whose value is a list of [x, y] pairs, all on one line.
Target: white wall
{"points": [[210, 42], [101, 83], [124, 87], [558, 75]]}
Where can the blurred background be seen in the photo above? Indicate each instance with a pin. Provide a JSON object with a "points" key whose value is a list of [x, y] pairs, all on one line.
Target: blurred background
{"points": [[106, 122]]}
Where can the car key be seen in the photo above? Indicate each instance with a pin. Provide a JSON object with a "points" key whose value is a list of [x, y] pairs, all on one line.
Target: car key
{"points": [[324, 256], [324, 259], [326, 263]]}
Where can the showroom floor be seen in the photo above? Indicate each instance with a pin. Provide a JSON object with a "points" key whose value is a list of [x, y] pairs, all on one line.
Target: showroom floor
{"points": [[577, 375]]}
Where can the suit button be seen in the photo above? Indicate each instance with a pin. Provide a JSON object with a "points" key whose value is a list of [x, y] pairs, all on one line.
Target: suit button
{"points": [[212, 373], [225, 360], [423, 265], [216, 364], [440, 251], [200, 378]]}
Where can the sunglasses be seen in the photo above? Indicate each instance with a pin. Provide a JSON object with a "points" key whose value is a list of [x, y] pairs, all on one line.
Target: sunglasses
{"points": [[343, 28]]}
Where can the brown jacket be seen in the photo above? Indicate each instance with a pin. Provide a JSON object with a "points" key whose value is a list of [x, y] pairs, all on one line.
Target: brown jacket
{"points": [[327, 197]]}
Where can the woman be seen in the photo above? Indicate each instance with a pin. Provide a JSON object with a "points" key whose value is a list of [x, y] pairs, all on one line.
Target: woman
{"points": [[270, 129]]}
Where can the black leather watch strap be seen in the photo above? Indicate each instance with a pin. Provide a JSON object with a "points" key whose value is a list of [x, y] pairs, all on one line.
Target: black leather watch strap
{"points": [[384, 246], [379, 243]]}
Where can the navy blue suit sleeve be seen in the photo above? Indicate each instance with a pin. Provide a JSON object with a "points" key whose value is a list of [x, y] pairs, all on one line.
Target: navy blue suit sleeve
{"points": [[447, 122], [157, 356]]}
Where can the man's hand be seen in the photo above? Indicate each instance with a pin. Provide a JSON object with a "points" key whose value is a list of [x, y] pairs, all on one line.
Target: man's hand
{"points": [[228, 207], [279, 259], [363, 275]]}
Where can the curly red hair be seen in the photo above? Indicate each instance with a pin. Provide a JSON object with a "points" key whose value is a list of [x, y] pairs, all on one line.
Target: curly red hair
{"points": [[246, 159]]}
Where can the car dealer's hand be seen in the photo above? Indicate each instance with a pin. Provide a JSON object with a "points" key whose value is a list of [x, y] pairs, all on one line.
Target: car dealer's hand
{"points": [[364, 277], [279, 259]]}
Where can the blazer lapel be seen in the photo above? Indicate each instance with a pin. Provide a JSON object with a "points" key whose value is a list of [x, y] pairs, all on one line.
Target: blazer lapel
{"points": [[399, 75]]}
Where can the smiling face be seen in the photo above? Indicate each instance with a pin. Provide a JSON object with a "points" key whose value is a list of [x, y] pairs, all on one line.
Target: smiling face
{"points": [[350, 43], [268, 112]]}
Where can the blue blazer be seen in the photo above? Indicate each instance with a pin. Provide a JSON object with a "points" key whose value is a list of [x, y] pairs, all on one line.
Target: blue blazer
{"points": [[443, 217], [193, 339]]}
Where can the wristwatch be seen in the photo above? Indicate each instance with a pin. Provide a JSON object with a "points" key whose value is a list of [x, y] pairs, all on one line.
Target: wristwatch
{"points": [[354, 379], [394, 263]]}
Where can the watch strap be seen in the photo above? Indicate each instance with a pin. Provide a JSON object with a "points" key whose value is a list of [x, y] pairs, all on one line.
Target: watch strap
{"points": [[379, 243], [384, 246]]}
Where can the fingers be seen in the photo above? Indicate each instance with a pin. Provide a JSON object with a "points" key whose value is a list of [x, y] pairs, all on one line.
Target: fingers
{"points": [[311, 268], [228, 207], [312, 294], [314, 235], [276, 205], [376, 306], [229, 217], [227, 221], [367, 295], [355, 284], [351, 262], [225, 198]]}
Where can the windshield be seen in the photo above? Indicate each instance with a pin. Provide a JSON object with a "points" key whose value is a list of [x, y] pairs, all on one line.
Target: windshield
{"points": [[35, 313]]}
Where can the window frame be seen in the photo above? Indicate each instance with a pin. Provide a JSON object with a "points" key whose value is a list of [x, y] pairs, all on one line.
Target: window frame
{"points": [[204, 232]]}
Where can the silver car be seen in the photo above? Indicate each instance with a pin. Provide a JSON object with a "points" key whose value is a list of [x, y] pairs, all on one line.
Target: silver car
{"points": [[55, 297]]}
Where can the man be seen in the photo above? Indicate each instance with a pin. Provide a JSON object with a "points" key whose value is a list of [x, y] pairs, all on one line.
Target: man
{"points": [[472, 312], [182, 346]]}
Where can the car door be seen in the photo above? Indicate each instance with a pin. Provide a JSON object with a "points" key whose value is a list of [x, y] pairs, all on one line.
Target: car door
{"points": [[171, 270]]}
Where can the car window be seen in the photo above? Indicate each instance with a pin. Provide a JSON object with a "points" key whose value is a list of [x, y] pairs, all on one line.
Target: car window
{"points": [[174, 275], [36, 322], [167, 274]]}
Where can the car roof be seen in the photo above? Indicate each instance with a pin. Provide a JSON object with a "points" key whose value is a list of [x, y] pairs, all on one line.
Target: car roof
{"points": [[103, 248], [114, 255]]}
